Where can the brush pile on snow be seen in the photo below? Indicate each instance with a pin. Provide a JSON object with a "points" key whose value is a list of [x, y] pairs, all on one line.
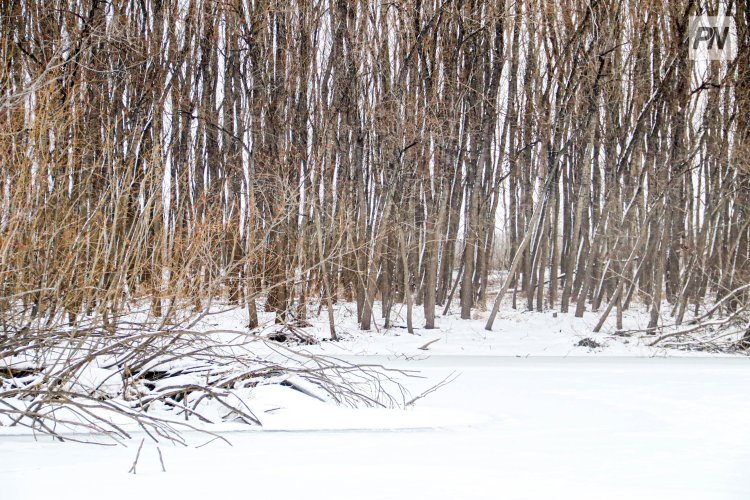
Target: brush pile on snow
{"points": [[161, 381]]}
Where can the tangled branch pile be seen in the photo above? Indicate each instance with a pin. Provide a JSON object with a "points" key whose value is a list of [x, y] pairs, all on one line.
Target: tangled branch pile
{"points": [[280, 153], [161, 381]]}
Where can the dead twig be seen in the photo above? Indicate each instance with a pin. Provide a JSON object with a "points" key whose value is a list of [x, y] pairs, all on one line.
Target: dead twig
{"points": [[428, 344], [137, 456], [161, 460], [447, 380]]}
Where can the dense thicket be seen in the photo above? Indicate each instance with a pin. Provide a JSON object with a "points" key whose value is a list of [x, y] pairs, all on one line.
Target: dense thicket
{"points": [[305, 152]]}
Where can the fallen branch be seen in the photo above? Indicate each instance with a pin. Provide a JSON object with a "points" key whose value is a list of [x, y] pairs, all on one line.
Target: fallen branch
{"points": [[137, 456], [428, 344], [447, 380]]}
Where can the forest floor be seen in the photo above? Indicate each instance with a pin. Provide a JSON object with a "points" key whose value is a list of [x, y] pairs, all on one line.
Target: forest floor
{"points": [[527, 413]]}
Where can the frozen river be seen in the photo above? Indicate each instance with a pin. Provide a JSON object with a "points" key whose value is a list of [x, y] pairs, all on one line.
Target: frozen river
{"points": [[505, 428]]}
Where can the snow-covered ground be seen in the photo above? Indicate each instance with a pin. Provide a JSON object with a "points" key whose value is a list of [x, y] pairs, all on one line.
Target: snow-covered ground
{"points": [[530, 415]]}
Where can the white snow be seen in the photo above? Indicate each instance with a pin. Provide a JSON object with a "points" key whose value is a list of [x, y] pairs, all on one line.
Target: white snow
{"points": [[529, 416]]}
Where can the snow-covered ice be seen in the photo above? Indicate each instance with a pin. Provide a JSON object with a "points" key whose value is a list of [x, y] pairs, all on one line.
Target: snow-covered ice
{"points": [[530, 415], [527, 428]]}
